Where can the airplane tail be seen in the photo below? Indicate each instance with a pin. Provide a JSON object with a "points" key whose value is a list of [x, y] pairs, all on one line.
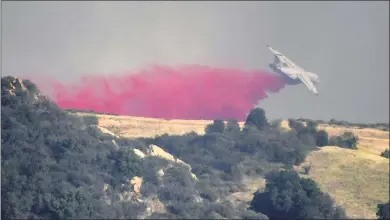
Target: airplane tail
{"points": [[314, 77], [273, 50]]}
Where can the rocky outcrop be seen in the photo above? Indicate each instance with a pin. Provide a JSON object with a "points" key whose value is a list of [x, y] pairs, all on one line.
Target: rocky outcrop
{"points": [[102, 131], [15, 87], [154, 150], [12, 85], [154, 205], [137, 184], [139, 153]]}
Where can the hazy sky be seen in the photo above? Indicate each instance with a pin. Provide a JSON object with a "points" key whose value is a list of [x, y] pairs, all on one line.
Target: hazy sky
{"points": [[345, 43]]}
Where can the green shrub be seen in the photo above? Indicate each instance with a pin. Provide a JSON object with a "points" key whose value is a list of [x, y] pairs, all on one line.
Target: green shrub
{"points": [[288, 196], [346, 140], [217, 126], [322, 138], [385, 153]]}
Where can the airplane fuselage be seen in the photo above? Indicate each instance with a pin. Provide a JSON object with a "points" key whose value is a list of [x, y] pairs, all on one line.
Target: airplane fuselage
{"points": [[289, 78]]}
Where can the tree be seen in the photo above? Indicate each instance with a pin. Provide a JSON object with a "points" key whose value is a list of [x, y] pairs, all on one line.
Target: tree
{"points": [[218, 125], [232, 126], [298, 126], [52, 166], [311, 126], [257, 119], [288, 196], [346, 140], [322, 138], [385, 153], [383, 211], [31, 87]]}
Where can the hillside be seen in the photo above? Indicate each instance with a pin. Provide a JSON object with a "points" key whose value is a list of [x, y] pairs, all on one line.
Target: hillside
{"points": [[371, 140], [62, 164], [358, 181], [360, 176], [55, 165]]}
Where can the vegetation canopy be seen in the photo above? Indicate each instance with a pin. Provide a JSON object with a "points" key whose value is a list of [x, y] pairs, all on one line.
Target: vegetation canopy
{"points": [[58, 165]]}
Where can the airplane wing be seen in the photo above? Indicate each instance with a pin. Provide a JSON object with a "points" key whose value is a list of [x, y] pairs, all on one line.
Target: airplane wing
{"points": [[306, 80], [280, 58], [277, 61]]}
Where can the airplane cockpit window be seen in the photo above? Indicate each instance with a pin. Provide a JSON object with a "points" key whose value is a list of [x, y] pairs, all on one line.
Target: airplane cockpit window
{"points": [[284, 65]]}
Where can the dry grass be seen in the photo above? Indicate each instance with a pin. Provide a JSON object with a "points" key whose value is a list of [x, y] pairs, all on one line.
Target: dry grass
{"points": [[133, 127], [371, 140], [357, 179]]}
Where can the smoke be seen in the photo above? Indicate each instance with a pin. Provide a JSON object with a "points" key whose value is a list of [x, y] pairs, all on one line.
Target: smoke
{"points": [[185, 92]]}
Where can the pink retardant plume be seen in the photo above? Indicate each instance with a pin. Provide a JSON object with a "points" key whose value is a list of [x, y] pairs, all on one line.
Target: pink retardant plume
{"points": [[186, 92]]}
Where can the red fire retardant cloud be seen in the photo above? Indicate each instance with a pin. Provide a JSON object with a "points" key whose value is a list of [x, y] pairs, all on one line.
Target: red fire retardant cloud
{"points": [[186, 92]]}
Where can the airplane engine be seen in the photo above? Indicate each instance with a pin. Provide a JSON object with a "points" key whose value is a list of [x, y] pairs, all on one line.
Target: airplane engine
{"points": [[314, 77], [272, 67]]}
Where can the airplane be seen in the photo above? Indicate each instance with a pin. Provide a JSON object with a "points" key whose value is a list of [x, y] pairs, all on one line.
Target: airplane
{"points": [[292, 73]]}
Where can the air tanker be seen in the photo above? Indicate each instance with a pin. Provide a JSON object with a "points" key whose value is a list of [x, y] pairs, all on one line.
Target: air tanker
{"points": [[292, 73]]}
